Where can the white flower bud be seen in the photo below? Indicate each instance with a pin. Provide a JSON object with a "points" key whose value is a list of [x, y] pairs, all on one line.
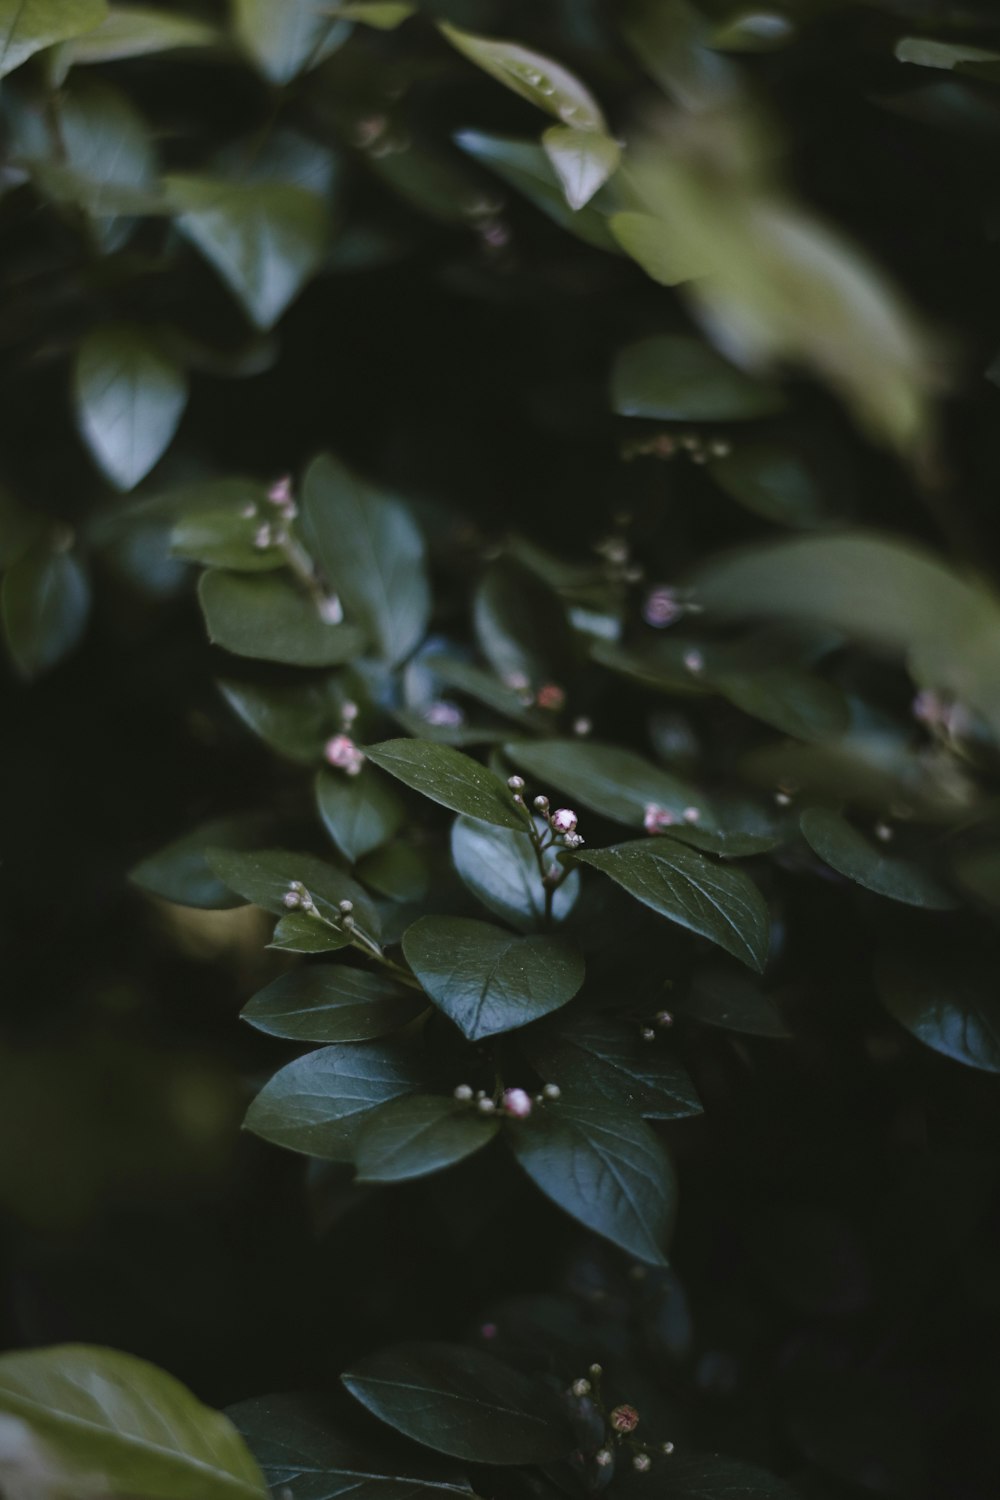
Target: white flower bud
{"points": [[542, 804], [292, 899], [603, 1458], [516, 783], [580, 1388], [666, 1447], [517, 1104], [647, 1034], [691, 814], [642, 1462], [564, 820], [551, 1091], [694, 661], [486, 1106], [463, 1093], [346, 907]]}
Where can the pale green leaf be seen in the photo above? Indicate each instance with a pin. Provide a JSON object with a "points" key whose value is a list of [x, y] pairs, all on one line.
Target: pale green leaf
{"points": [[130, 396], [26, 26]]}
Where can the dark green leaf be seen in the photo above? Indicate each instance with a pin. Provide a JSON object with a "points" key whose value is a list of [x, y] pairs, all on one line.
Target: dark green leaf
{"points": [[265, 876], [524, 165], [181, 873], [115, 1424], [772, 481], [102, 161], [46, 601], [449, 778], [604, 1056], [268, 616], [536, 78], [130, 397], [678, 379], [418, 1135], [796, 702], [946, 1004], [360, 813], [715, 902], [331, 1003], [461, 1402], [26, 26], [609, 780], [522, 627], [318, 1103], [371, 554], [707, 1476], [845, 850], [500, 869], [487, 980], [298, 933], [227, 538], [296, 721], [397, 871], [730, 999], [604, 1167]]}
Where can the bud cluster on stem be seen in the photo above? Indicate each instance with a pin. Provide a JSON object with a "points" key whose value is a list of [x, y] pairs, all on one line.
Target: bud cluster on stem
{"points": [[619, 1425], [559, 832]]}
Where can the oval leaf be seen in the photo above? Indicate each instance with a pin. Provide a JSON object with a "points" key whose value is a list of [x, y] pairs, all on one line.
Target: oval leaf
{"points": [[26, 26], [946, 1006], [500, 869], [583, 160], [535, 77], [678, 379], [267, 616], [416, 1136], [46, 601], [331, 1003], [360, 813], [449, 778], [129, 398], [604, 1056], [265, 876], [845, 850]]}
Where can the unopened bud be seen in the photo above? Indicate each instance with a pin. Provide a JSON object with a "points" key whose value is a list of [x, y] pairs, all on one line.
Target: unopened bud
{"points": [[542, 804], [262, 538], [664, 1018], [347, 923], [551, 1091], [486, 1106], [550, 696], [660, 608], [624, 1419], [517, 1103], [516, 783], [463, 1093], [883, 832], [331, 611], [691, 814], [582, 726], [292, 899], [280, 493], [343, 754], [642, 1462], [349, 713], [346, 906], [564, 820], [603, 1458], [596, 1371], [666, 1447], [694, 661], [648, 1034], [656, 818], [580, 1388]]}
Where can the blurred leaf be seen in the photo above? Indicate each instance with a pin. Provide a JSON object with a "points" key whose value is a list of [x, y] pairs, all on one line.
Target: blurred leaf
{"points": [[264, 877], [296, 721], [102, 158], [797, 702], [180, 872], [845, 850], [978, 871], [418, 1135], [265, 239], [26, 26], [449, 778], [227, 538], [383, 15], [711, 1476], [270, 617], [461, 1402], [670, 39], [730, 999], [525, 166], [641, 236], [46, 602], [536, 78], [288, 38], [604, 1057], [521, 627], [583, 160], [946, 1004], [331, 1003], [111, 1422], [753, 31], [707, 898], [487, 980], [138, 31], [397, 871], [773, 482], [928, 53], [605, 1168], [372, 555], [130, 397], [679, 379], [318, 1104], [500, 869], [360, 813], [608, 779]]}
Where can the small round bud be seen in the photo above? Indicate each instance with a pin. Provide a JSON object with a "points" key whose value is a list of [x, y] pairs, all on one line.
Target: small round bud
{"points": [[346, 907], [648, 1034], [883, 832], [564, 820], [262, 538], [551, 1091], [720, 448], [331, 611], [624, 1419], [551, 696], [248, 512], [463, 1093], [542, 804], [517, 1104], [603, 1458], [486, 1107], [664, 1018], [488, 1331], [573, 840], [691, 814], [642, 1462], [596, 1371], [349, 713], [694, 661], [292, 899], [343, 754], [582, 726], [516, 783], [580, 1388], [480, 1093], [444, 715], [783, 799], [347, 923], [666, 1447], [280, 493], [661, 608], [656, 818]]}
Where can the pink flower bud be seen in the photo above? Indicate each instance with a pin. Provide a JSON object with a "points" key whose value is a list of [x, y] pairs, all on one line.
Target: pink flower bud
{"points": [[551, 696], [691, 815], [694, 661], [444, 715], [343, 754], [656, 818], [488, 1331], [660, 607], [517, 1103], [280, 493], [564, 820], [624, 1419]]}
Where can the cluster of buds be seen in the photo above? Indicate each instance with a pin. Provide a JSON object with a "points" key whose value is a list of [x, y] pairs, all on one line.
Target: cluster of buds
{"points": [[620, 1423], [665, 445], [297, 898], [562, 820], [617, 555], [549, 696], [343, 754], [516, 1103]]}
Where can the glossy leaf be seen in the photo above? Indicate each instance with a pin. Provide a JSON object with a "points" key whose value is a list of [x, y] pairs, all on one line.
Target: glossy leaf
{"points": [[604, 1057], [271, 617], [264, 877], [946, 1005], [536, 78], [707, 898], [604, 1167], [318, 1103], [287, 39], [608, 779], [500, 869], [583, 160], [360, 813], [371, 554], [847, 851], [418, 1135], [331, 1003], [712, 1476], [462, 1403], [139, 31], [46, 601], [295, 720], [487, 980], [265, 239], [298, 932], [678, 379], [180, 871], [26, 26], [772, 481], [525, 166], [113, 1423], [130, 397], [449, 778]]}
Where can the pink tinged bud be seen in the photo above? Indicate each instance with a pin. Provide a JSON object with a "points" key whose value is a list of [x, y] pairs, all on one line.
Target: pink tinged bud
{"points": [[249, 511], [603, 1458], [349, 713], [564, 820], [624, 1419], [488, 1331], [691, 815], [516, 681], [582, 726], [292, 899], [660, 608], [280, 492], [262, 538], [642, 1462], [343, 754], [551, 696], [656, 818], [694, 661], [516, 783], [517, 1103], [444, 715]]}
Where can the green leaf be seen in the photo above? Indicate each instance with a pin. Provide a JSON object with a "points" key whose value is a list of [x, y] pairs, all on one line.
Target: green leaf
{"points": [[26, 26], [772, 481], [299, 933], [306, 1457], [331, 1003], [708, 1476], [978, 872], [288, 38], [295, 721], [730, 999], [102, 160], [46, 601], [383, 15], [707, 898], [115, 1424], [398, 871], [264, 877], [674, 378], [136, 31], [500, 869], [845, 850], [265, 239], [372, 555], [525, 166], [583, 160], [604, 1167], [461, 1402], [318, 1103], [946, 1004], [798, 703], [615, 782], [449, 778], [604, 1057], [360, 813], [418, 1135], [487, 980], [927, 53], [268, 616], [641, 236], [461, 675], [227, 538], [521, 627], [129, 397], [180, 872], [535, 77]]}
